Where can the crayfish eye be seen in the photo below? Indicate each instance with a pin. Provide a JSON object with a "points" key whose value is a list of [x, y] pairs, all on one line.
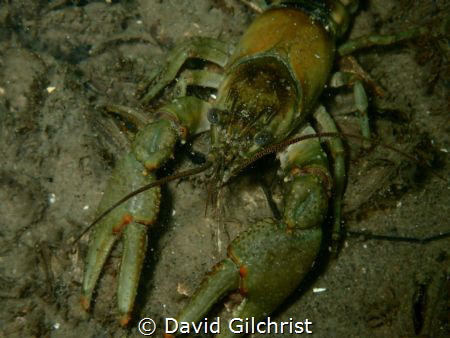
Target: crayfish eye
{"points": [[262, 138], [214, 115]]}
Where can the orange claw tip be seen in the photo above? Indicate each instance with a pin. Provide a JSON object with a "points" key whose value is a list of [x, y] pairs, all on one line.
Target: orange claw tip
{"points": [[243, 271], [85, 303], [125, 319]]}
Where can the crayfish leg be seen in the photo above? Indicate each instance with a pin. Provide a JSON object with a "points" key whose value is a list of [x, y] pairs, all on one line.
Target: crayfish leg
{"points": [[203, 48], [367, 41], [360, 96], [336, 148]]}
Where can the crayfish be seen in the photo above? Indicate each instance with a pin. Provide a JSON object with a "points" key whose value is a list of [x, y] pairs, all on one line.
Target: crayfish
{"points": [[266, 97]]}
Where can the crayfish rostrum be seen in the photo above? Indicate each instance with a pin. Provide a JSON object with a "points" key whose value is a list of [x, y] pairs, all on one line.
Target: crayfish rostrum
{"points": [[267, 92]]}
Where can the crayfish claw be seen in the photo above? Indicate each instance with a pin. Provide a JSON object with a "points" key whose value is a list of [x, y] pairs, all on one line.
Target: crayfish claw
{"points": [[133, 255], [129, 222], [223, 279]]}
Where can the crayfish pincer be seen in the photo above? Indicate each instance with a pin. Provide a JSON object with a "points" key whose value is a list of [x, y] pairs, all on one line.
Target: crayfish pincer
{"points": [[266, 95]]}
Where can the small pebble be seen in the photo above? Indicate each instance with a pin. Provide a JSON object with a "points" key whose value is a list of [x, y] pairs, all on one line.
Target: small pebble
{"points": [[318, 290]]}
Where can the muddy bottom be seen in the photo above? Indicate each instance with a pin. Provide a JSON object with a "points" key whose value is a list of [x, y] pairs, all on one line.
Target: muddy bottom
{"points": [[61, 60]]}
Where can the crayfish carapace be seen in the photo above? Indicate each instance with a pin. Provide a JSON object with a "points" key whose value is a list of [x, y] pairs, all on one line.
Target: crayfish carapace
{"points": [[266, 94]]}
